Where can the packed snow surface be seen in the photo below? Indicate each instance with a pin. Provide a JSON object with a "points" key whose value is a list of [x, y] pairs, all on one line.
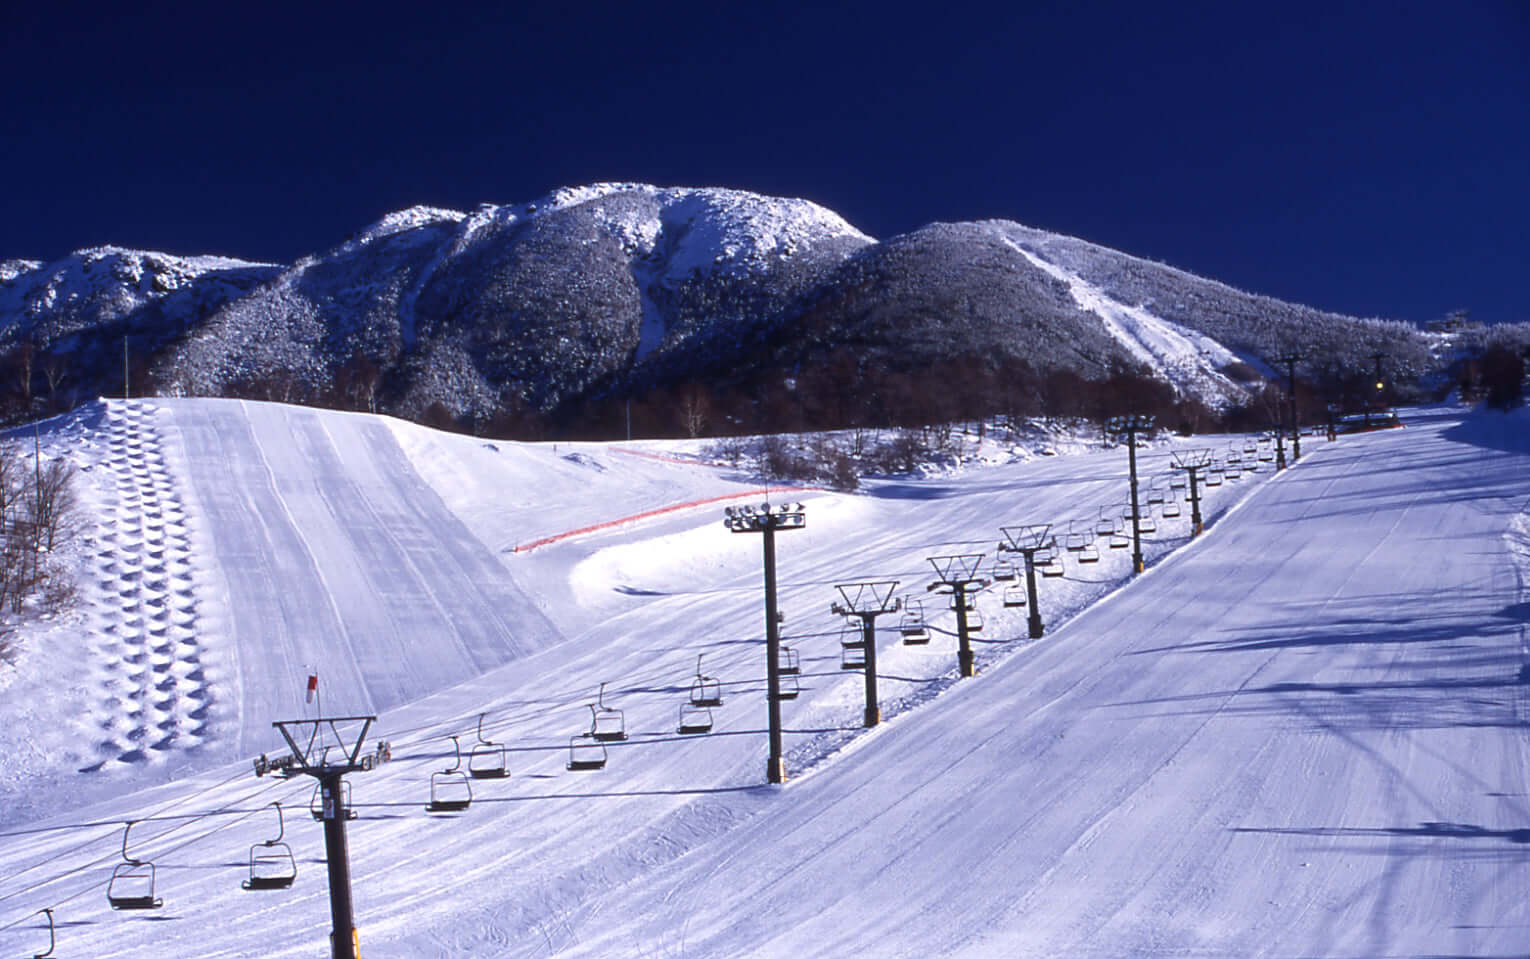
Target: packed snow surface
{"points": [[1299, 734]]}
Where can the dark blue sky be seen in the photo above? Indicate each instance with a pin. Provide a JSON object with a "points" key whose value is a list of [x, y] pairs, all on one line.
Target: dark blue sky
{"points": [[1371, 158]]}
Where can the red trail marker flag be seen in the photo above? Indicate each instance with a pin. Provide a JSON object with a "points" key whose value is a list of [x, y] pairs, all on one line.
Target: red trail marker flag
{"points": [[313, 686]]}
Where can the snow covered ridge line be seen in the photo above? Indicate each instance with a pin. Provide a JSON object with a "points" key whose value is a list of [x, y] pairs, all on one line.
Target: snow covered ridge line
{"points": [[663, 510]]}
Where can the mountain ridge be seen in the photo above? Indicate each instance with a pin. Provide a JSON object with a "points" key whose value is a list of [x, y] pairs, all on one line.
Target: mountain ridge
{"points": [[612, 290]]}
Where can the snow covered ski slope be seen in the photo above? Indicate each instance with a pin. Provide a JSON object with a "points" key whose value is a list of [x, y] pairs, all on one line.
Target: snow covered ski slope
{"points": [[1302, 734]]}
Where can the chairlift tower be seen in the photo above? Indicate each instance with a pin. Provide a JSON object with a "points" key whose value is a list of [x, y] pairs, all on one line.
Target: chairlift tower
{"points": [[1027, 541], [957, 577], [1291, 359], [1280, 445], [312, 759], [1192, 461], [766, 520], [867, 601], [1131, 426]]}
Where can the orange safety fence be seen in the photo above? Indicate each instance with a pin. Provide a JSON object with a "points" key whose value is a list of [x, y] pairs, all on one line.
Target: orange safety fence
{"points": [[635, 517]]}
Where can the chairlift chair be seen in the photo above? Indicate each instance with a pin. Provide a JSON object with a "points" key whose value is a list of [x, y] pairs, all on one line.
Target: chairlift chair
{"points": [[1106, 524], [316, 803], [52, 941], [271, 863], [132, 882], [1156, 496], [1014, 596], [695, 719], [1077, 541], [450, 790], [487, 760], [706, 691], [607, 724], [787, 686], [1171, 509], [1250, 445], [1214, 476], [852, 646], [1146, 523], [585, 753], [975, 620], [1046, 561], [788, 663], [1178, 480], [1089, 554], [1004, 570], [912, 625], [1233, 470]]}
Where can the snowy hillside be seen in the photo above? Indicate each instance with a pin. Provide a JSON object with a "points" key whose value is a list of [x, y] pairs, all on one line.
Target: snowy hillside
{"points": [[1301, 734]]}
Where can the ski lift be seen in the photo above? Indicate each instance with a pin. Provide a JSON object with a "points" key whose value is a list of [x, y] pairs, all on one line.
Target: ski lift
{"points": [[968, 600], [1156, 495], [1178, 480], [1266, 450], [706, 691], [1089, 554], [1046, 561], [788, 663], [132, 882], [695, 719], [1077, 541], [271, 862], [912, 625], [1250, 445], [52, 942], [1214, 476], [487, 760], [1106, 524], [852, 646], [975, 620], [787, 686], [316, 802], [585, 752], [1146, 523], [450, 790], [1233, 470], [1004, 570], [1171, 508], [1014, 596], [608, 724]]}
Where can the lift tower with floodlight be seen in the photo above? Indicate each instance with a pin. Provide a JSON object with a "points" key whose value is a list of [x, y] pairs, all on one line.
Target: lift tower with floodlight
{"points": [[766, 520]]}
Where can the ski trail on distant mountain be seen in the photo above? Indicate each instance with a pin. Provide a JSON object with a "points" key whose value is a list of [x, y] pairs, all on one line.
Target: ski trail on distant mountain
{"points": [[1167, 348]]}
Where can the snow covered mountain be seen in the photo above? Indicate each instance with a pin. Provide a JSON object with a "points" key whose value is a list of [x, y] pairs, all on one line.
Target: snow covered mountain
{"points": [[616, 289]]}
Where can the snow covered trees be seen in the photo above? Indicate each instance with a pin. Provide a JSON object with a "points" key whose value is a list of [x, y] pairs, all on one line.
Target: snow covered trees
{"points": [[37, 511]]}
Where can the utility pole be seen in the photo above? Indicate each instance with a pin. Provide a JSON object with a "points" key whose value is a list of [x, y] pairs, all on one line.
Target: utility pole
{"points": [[1193, 461], [1027, 540], [766, 520], [1280, 446], [957, 577], [867, 601], [1131, 426], [344, 941], [1290, 359]]}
